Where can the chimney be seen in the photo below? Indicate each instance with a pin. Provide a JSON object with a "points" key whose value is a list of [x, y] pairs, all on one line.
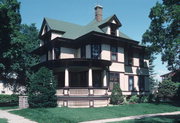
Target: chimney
{"points": [[98, 13]]}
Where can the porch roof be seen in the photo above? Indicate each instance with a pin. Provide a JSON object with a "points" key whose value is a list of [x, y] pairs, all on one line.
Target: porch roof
{"points": [[73, 62]]}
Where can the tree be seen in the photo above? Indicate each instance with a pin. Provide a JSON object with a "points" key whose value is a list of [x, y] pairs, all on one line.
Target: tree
{"points": [[42, 89], [10, 20], [167, 89], [116, 95], [163, 34]]}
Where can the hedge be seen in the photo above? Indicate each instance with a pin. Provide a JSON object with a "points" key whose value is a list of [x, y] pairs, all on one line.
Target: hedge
{"points": [[9, 100]]}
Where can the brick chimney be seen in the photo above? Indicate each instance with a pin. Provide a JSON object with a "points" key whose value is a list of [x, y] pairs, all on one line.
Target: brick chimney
{"points": [[98, 13]]}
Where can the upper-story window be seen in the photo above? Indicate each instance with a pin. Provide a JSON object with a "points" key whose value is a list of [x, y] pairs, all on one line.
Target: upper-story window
{"points": [[113, 29], [129, 57], [95, 51], [83, 51], [114, 53], [141, 59], [57, 52]]}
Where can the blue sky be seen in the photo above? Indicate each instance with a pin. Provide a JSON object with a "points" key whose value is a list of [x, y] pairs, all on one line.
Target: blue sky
{"points": [[133, 15]]}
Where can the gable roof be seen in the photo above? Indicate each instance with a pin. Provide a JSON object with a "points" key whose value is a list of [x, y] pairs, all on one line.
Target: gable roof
{"points": [[73, 31]]}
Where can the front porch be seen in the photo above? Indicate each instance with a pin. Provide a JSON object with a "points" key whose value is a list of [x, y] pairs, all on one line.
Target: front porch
{"points": [[81, 82], [82, 86]]}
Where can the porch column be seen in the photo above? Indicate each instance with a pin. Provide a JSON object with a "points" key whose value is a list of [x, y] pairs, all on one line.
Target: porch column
{"points": [[66, 77], [90, 77], [104, 78], [66, 89], [53, 54], [90, 82]]}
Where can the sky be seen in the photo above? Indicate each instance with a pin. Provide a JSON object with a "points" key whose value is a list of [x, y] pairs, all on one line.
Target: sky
{"points": [[133, 14]]}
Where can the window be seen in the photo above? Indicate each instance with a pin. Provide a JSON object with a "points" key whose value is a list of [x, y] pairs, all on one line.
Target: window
{"points": [[141, 59], [129, 57], [95, 51], [141, 83], [113, 29], [114, 53], [83, 52], [131, 83], [114, 78], [57, 52]]}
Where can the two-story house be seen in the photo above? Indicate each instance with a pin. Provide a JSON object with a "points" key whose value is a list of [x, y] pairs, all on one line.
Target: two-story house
{"points": [[88, 60]]}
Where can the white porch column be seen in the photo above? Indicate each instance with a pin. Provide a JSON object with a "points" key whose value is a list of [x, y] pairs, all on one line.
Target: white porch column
{"points": [[104, 78], [66, 77], [90, 83], [53, 54]]}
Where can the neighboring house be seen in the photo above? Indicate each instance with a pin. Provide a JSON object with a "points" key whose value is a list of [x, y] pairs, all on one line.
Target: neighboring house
{"points": [[88, 60], [4, 89], [174, 76]]}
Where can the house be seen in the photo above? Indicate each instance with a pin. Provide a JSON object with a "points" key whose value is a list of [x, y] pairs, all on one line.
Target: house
{"points": [[88, 60], [174, 76]]}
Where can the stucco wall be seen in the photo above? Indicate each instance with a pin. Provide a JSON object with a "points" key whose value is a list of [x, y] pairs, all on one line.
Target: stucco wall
{"points": [[136, 59], [105, 53], [54, 35], [120, 54], [67, 53], [118, 67]]}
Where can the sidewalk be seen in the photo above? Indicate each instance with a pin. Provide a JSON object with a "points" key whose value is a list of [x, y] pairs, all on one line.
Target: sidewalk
{"points": [[12, 118], [132, 117]]}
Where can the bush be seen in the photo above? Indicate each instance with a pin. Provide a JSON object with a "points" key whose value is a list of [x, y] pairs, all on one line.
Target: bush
{"points": [[134, 99], [9, 100], [116, 95], [144, 99], [167, 89], [42, 89]]}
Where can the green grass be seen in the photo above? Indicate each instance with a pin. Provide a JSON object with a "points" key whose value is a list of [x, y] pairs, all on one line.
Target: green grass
{"points": [[3, 120], [10, 107], [158, 119], [73, 115]]}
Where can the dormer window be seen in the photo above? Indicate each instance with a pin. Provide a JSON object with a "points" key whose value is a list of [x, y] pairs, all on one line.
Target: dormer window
{"points": [[113, 29]]}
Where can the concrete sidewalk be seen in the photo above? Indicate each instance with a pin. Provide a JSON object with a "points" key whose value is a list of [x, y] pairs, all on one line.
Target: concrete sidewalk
{"points": [[12, 118], [131, 117]]}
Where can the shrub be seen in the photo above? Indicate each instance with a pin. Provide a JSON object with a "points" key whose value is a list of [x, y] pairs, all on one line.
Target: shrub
{"points": [[144, 99], [116, 95], [42, 89], [9, 100], [167, 89], [134, 99]]}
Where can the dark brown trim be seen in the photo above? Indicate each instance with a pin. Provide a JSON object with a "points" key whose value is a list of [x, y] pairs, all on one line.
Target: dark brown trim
{"points": [[104, 97], [73, 62], [116, 72], [136, 91]]}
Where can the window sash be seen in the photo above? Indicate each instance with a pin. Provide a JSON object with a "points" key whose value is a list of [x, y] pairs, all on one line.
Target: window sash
{"points": [[131, 83], [95, 51]]}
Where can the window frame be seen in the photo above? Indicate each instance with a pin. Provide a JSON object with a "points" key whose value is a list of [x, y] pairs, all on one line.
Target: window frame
{"points": [[113, 82], [99, 51], [132, 83], [114, 53], [83, 51], [141, 83]]}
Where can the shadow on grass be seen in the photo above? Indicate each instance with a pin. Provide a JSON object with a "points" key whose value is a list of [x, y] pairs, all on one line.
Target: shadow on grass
{"points": [[159, 119]]}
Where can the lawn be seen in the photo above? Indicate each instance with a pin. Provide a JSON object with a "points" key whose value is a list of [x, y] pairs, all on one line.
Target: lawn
{"points": [[158, 119], [10, 107], [74, 115], [3, 120]]}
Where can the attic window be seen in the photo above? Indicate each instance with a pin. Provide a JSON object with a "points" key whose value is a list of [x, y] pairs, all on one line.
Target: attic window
{"points": [[46, 29], [113, 29]]}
